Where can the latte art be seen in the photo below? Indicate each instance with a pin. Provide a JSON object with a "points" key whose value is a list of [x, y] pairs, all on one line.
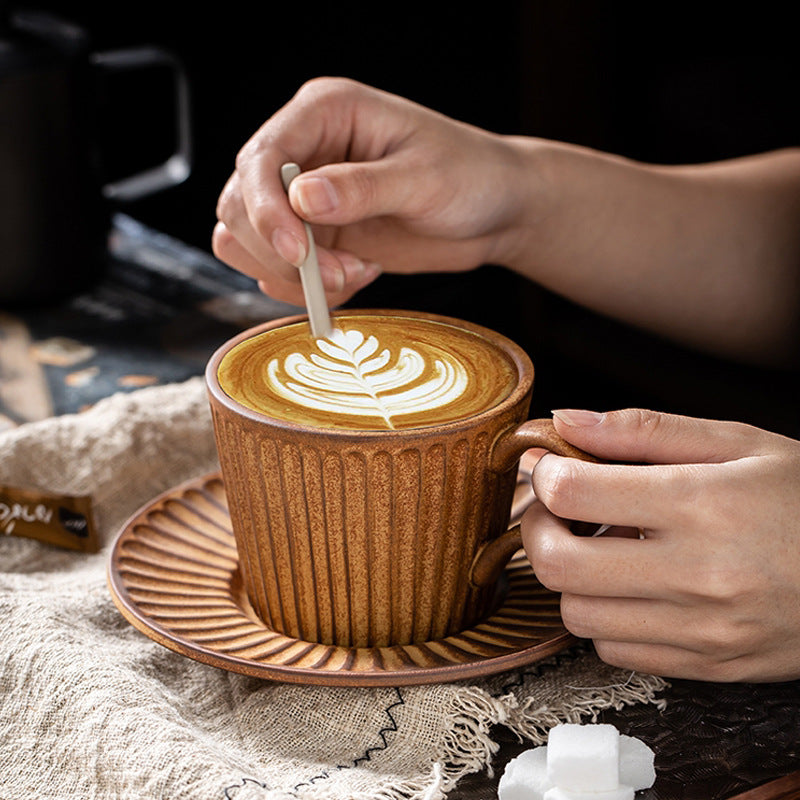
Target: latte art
{"points": [[352, 376], [373, 372]]}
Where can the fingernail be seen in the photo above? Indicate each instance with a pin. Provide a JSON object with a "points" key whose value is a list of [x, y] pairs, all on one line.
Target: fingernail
{"points": [[371, 271], [288, 246], [315, 196], [359, 272], [333, 277], [579, 417]]}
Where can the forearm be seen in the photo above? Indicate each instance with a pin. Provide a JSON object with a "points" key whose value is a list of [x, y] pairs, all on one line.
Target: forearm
{"points": [[708, 255]]}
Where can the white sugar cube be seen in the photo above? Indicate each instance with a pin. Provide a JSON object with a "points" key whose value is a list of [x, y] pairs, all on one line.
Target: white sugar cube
{"points": [[580, 754], [525, 777], [636, 763], [583, 758], [620, 793]]}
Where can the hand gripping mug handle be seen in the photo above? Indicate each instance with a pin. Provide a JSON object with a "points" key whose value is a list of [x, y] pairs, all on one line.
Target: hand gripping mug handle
{"points": [[492, 557]]}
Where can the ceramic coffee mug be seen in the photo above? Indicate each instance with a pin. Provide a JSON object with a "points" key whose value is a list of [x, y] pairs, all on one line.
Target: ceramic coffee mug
{"points": [[370, 477]]}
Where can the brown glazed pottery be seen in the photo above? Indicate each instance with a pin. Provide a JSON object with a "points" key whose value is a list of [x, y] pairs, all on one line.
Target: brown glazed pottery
{"points": [[174, 575], [374, 538]]}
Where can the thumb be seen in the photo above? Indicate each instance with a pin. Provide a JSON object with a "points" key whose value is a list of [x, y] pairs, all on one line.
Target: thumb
{"points": [[340, 194], [640, 435]]}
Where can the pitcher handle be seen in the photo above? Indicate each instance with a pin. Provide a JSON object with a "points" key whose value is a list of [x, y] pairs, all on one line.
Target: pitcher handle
{"points": [[177, 167]]}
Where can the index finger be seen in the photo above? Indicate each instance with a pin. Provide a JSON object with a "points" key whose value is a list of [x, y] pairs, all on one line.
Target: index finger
{"points": [[646, 496], [317, 126]]}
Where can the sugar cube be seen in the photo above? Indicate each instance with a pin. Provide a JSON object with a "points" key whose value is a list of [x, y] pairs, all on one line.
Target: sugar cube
{"points": [[574, 754], [636, 763], [620, 793], [525, 777], [583, 758]]}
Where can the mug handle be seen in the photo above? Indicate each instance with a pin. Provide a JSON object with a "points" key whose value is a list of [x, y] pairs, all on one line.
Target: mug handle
{"points": [[177, 167], [492, 557]]}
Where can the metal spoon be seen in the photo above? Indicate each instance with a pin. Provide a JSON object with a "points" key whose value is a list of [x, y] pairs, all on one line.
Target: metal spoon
{"points": [[314, 294]]}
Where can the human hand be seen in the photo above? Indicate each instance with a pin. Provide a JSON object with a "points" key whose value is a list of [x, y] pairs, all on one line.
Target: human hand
{"points": [[713, 590], [388, 185]]}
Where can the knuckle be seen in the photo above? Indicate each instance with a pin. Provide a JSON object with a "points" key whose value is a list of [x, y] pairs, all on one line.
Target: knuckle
{"points": [[361, 188], [641, 658], [724, 582], [550, 573], [651, 423], [613, 654], [243, 155], [225, 201], [559, 486], [220, 209], [272, 288], [717, 584], [221, 241], [576, 616], [692, 504], [724, 638], [260, 220], [737, 670], [247, 152], [548, 562], [720, 669], [326, 88]]}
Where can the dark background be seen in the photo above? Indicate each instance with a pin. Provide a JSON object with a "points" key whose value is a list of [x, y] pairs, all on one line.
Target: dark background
{"points": [[665, 83]]}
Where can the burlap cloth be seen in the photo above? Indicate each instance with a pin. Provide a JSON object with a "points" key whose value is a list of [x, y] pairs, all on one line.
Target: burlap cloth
{"points": [[91, 708]]}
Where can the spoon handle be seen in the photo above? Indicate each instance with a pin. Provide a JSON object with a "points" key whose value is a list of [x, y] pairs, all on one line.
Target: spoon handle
{"points": [[314, 294]]}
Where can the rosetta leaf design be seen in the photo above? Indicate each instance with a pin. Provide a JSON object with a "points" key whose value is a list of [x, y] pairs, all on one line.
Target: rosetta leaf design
{"points": [[352, 374]]}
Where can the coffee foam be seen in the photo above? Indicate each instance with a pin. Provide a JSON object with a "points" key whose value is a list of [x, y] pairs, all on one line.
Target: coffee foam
{"points": [[351, 376], [373, 372]]}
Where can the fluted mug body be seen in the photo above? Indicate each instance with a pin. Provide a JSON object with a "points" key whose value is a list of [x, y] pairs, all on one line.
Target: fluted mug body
{"points": [[369, 538]]}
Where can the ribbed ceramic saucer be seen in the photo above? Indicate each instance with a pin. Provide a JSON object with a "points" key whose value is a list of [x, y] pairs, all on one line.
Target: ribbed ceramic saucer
{"points": [[174, 575]]}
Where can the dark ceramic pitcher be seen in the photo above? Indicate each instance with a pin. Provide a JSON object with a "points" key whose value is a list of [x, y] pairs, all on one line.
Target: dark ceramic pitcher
{"points": [[54, 206]]}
